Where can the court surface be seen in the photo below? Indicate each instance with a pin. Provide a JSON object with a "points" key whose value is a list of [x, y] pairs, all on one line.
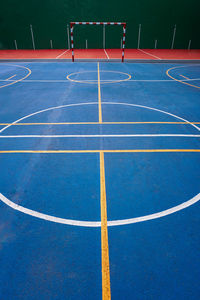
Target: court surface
{"points": [[99, 181]]}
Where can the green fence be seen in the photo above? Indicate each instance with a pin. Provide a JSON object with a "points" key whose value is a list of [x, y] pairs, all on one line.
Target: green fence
{"points": [[49, 19]]}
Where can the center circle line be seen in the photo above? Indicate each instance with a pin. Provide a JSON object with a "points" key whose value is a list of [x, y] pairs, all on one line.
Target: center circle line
{"points": [[96, 81]]}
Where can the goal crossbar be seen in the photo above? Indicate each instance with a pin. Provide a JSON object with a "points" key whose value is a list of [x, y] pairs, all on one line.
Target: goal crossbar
{"points": [[72, 24]]}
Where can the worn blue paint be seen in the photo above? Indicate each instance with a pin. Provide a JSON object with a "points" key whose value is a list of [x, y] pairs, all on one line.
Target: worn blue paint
{"points": [[157, 259]]}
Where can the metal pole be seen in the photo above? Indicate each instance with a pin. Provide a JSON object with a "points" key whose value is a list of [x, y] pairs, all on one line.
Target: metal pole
{"points": [[86, 44], [121, 43], [189, 44], [139, 32], [51, 44], [72, 41], [104, 37], [33, 42], [15, 44], [173, 38], [155, 44], [68, 36]]}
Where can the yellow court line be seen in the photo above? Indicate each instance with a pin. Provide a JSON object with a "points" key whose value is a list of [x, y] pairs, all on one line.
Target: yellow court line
{"points": [[106, 294], [184, 76], [99, 96], [11, 77], [95, 123], [183, 82], [29, 73], [101, 151]]}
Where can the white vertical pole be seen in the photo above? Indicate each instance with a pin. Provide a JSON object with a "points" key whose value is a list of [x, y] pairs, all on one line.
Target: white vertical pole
{"points": [[86, 44], [15, 44], [68, 37], [189, 44], [33, 42], [139, 32], [155, 44], [173, 38], [104, 37], [51, 44]]}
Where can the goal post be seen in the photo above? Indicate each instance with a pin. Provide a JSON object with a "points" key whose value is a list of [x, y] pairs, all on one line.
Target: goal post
{"points": [[72, 24]]}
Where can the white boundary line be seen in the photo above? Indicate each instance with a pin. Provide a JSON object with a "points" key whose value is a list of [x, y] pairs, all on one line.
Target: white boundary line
{"points": [[62, 54], [106, 54], [150, 54], [102, 81], [99, 135]]}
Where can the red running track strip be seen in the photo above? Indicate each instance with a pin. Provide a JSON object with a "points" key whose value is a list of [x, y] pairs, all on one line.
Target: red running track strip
{"points": [[31, 54], [175, 53], [129, 54], [90, 54], [145, 54]]}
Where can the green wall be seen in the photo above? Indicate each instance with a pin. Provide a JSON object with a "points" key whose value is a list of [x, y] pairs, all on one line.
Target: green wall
{"points": [[50, 18]]}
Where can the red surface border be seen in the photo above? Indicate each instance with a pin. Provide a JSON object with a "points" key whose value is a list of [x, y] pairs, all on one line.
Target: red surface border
{"points": [[107, 54]]}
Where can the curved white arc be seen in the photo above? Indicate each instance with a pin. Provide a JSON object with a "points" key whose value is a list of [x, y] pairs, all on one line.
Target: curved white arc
{"points": [[155, 109], [98, 224], [96, 81], [156, 215], [92, 103], [47, 109], [36, 214]]}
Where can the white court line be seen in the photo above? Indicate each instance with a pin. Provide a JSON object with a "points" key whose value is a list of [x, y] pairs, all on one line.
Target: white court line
{"points": [[98, 135], [62, 53], [96, 103], [98, 223], [106, 54], [50, 218], [149, 54], [105, 80]]}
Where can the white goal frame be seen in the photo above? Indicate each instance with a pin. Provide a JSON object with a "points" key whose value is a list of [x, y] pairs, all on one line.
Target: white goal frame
{"points": [[72, 24]]}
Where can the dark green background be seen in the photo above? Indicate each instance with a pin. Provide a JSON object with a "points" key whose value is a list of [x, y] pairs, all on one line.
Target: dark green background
{"points": [[50, 18]]}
